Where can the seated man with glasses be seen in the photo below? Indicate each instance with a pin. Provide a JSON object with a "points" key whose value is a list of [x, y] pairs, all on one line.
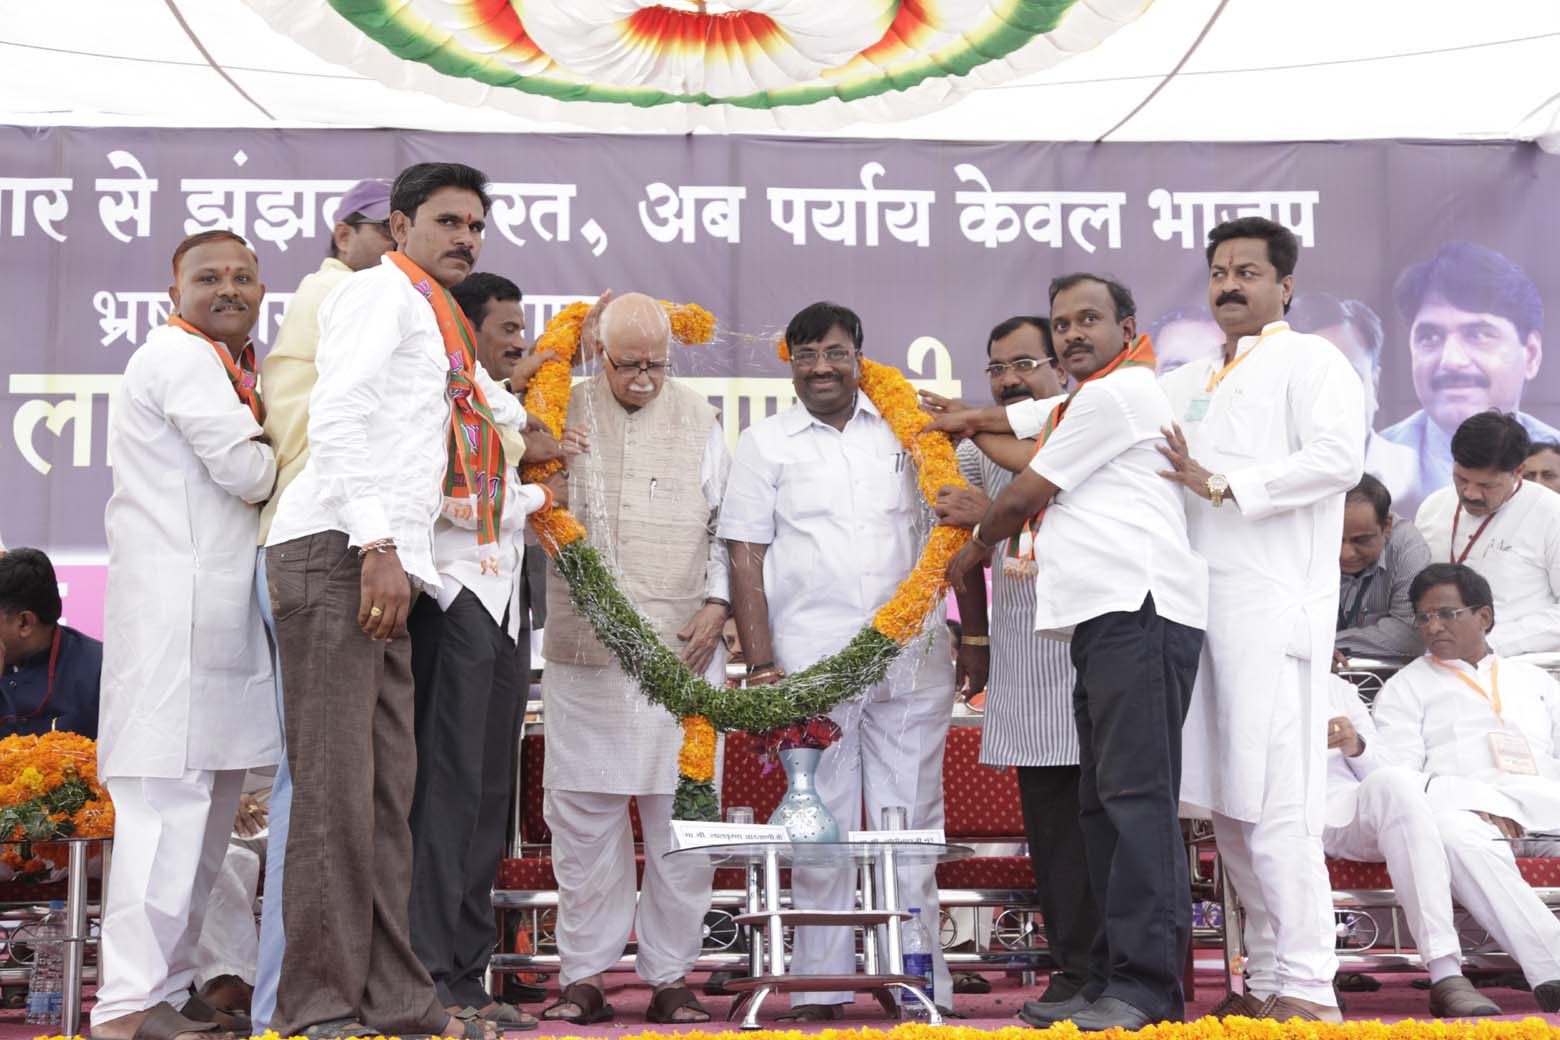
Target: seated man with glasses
{"points": [[1480, 729], [648, 489]]}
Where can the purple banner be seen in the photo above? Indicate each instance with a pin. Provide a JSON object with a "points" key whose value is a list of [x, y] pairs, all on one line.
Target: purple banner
{"points": [[1428, 264]]}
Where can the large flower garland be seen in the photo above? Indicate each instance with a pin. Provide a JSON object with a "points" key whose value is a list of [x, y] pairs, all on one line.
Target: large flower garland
{"points": [[664, 678], [49, 789]]}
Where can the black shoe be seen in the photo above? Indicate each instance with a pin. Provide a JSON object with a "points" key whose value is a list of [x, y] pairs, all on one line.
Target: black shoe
{"points": [[1548, 996], [1110, 1013], [1044, 1015]]}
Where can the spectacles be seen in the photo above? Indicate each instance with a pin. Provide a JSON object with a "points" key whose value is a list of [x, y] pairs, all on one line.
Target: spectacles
{"points": [[834, 356], [644, 367], [382, 226], [1445, 615], [1022, 366]]}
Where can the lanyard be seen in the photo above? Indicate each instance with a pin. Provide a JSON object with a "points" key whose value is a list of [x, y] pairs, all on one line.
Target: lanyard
{"points": [[1478, 531], [54, 660], [1493, 696], [1218, 377], [1352, 618]]}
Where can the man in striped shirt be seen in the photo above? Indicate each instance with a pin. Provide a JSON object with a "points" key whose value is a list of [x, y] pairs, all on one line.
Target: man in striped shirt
{"points": [[1028, 679]]}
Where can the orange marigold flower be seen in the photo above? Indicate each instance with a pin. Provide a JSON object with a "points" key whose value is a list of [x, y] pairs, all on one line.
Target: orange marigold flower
{"points": [[691, 324], [696, 757], [783, 349]]}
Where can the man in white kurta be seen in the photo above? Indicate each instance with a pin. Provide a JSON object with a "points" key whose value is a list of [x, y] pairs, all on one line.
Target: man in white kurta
{"points": [[187, 704], [1502, 527], [1274, 425], [825, 521], [1377, 812], [647, 489], [1483, 732]]}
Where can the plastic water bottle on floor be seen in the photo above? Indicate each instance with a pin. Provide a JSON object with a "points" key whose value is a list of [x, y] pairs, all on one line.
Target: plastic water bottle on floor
{"points": [[917, 946], [45, 986]]}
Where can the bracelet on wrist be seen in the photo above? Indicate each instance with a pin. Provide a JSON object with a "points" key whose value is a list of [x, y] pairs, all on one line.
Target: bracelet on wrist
{"points": [[975, 640], [716, 601], [754, 669], [378, 545], [975, 537]]}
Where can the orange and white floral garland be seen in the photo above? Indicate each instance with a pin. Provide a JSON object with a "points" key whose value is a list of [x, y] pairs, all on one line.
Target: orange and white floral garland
{"points": [[702, 707]]}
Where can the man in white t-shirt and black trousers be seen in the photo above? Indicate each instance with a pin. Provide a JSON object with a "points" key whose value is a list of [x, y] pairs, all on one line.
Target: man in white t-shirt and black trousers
{"points": [[1117, 576], [1491, 520]]}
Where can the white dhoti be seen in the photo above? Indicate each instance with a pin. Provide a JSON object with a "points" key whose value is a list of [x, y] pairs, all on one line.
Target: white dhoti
{"points": [[229, 936], [1486, 882], [1276, 863], [605, 743], [891, 752], [593, 860], [169, 839], [1394, 824]]}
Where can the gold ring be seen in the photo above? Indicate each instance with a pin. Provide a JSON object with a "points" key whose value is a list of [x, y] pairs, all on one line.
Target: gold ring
{"points": [[374, 612]]}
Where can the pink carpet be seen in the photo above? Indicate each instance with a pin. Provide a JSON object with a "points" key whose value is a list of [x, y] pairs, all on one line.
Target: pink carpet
{"points": [[1397, 999]]}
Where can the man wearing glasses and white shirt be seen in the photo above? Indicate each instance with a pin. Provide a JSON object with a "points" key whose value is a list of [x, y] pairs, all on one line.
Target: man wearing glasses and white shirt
{"points": [[1483, 730]]}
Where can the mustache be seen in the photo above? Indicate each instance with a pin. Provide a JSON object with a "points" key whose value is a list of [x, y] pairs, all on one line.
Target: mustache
{"points": [[229, 301], [1233, 296], [462, 253], [1459, 380], [1013, 393]]}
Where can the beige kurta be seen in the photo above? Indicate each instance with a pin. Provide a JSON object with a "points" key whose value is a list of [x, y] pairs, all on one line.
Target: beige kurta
{"points": [[647, 492]]}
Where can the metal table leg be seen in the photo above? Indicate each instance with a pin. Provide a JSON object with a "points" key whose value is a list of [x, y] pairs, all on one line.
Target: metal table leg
{"points": [[888, 878], [75, 938], [755, 937]]}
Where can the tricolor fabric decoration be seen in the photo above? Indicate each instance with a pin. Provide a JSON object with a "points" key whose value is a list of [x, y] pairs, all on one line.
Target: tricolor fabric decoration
{"points": [[678, 65]]}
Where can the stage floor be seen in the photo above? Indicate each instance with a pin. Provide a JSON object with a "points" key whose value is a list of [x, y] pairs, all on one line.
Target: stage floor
{"points": [[1396, 1000]]}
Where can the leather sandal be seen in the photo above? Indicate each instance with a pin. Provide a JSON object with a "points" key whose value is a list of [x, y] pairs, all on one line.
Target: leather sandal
{"points": [[508, 1016], [199, 1009], [162, 1022], [667, 1002], [591, 1001]]}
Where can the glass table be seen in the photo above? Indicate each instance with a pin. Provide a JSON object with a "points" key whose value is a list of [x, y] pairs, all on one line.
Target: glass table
{"points": [[877, 896], [75, 941]]}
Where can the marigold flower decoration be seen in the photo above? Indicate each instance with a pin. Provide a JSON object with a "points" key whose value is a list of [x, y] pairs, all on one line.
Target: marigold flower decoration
{"points": [[663, 677], [49, 790]]}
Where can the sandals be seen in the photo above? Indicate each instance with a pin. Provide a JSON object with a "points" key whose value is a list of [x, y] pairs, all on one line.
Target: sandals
{"points": [[199, 1009], [590, 1000], [667, 1002], [473, 1028], [508, 1017], [338, 1029], [162, 1022]]}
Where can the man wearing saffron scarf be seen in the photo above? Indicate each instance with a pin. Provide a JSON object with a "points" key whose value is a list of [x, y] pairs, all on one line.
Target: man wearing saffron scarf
{"points": [[1117, 576], [403, 424], [187, 704]]}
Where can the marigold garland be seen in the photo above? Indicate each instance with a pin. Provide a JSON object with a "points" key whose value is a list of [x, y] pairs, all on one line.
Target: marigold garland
{"points": [[664, 678], [1236, 1028]]}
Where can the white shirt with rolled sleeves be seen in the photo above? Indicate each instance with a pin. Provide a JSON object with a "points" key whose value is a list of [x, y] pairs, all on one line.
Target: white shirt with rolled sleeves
{"points": [[1286, 427], [1432, 721], [1116, 531], [1518, 554], [187, 679], [379, 422], [840, 513]]}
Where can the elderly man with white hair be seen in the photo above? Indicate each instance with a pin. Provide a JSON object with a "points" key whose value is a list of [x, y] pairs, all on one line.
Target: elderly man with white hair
{"points": [[648, 488]]}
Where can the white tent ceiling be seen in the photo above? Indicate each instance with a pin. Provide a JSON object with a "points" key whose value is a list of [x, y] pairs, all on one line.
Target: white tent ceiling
{"points": [[1264, 70]]}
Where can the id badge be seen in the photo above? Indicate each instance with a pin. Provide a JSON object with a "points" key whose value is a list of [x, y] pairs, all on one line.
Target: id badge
{"points": [[1512, 754], [1197, 408]]}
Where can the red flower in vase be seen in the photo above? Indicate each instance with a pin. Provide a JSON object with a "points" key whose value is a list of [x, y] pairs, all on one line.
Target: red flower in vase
{"points": [[817, 733]]}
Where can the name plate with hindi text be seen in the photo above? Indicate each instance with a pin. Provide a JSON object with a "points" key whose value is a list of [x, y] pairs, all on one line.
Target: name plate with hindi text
{"points": [[691, 834], [929, 836]]}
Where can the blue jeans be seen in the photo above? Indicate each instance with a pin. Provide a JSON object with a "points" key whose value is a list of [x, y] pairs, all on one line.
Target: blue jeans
{"points": [[273, 942]]}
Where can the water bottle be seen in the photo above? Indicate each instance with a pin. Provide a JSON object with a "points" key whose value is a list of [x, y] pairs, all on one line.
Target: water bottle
{"points": [[45, 986], [917, 945]]}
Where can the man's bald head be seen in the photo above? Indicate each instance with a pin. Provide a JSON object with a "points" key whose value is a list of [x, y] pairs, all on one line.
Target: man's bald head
{"points": [[632, 323], [635, 335]]}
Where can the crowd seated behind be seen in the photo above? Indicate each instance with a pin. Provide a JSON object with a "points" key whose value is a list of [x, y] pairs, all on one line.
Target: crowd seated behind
{"points": [[49, 672]]}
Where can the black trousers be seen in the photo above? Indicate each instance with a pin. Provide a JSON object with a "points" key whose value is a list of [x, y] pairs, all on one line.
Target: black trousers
{"points": [[1049, 797], [1135, 673], [469, 701]]}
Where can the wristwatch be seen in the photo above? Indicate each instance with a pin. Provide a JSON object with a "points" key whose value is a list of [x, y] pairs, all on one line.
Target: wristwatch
{"points": [[1218, 487]]}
